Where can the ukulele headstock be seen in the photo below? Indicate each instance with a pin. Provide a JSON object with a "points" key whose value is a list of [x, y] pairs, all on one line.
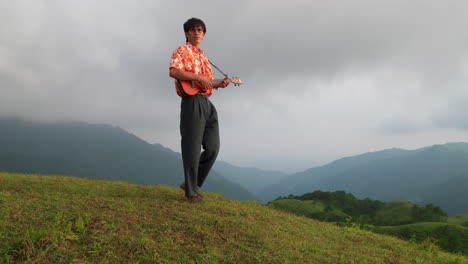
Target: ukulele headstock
{"points": [[236, 81]]}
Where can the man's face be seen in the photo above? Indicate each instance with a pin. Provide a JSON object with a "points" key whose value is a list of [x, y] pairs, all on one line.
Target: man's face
{"points": [[195, 36]]}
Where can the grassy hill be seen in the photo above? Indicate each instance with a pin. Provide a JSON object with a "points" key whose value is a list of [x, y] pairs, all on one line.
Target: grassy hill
{"points": [[458, 220], [343, 207], [57, 219], [446, 235], [402, 219]]}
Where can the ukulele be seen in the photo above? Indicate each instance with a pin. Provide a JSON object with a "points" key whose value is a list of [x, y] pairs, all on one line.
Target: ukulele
{"points": [[193, 87]]}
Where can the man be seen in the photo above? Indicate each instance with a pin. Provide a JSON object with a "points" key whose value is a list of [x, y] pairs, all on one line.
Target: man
{"points": [[198, 116]]}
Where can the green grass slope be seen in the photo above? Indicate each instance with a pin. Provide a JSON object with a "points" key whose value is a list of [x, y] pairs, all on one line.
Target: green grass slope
{"points": [[461, 219], [56, 219], [451, 237]]}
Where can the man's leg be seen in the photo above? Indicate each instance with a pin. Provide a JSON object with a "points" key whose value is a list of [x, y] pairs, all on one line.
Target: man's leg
{"points": [[192, 124], [210, 144]]}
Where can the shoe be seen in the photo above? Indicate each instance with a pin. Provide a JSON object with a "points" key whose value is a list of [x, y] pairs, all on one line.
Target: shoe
{"points": [[197, 190], [194, 199]]}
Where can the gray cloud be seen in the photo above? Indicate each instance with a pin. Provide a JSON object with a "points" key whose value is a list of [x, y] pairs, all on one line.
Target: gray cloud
{"points": [[453, 114], [318, 76]]}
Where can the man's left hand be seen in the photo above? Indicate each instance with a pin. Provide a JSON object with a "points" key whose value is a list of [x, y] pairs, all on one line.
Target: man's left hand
{"points": [[225, 83]]}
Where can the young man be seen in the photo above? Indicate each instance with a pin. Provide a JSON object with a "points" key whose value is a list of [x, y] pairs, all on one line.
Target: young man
{"points": [[198, 116]]}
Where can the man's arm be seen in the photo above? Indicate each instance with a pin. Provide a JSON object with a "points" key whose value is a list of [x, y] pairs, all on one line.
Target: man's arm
{"points": [[187, 76]]}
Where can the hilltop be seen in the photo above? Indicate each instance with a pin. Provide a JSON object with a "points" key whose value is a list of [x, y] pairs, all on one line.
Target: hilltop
{"points": [[58, 219]]}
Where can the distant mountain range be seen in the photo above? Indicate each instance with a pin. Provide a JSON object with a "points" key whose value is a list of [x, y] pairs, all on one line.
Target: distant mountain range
{"points": [[437, 174], [252, 179], [96, 151]]}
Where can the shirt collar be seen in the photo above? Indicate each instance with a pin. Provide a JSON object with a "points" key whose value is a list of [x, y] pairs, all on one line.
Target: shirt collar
{"points": [[195, 49]]}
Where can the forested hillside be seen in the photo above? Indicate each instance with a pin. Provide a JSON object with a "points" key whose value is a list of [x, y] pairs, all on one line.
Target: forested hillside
{"points": [[399, 218]]}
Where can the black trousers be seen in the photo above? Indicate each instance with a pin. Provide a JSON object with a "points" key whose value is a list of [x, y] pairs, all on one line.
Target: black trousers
{"points": [[198, 129]]}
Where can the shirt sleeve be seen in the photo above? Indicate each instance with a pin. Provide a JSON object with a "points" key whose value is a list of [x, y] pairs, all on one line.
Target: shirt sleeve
{"points": [[178, 59]]}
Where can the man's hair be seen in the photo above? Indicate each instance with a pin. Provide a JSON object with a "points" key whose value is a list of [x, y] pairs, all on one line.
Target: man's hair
{"points": [[193, 23]]}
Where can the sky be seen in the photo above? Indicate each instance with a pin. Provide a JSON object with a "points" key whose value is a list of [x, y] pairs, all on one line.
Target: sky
{"points": [[322, 79]]}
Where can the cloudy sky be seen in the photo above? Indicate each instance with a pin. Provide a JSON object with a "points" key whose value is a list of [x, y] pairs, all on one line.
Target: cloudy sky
{"points": [[322, 79]]}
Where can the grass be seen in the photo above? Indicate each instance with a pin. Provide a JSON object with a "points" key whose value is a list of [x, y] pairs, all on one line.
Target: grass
{"points": [[57, 219], [461, 219]]}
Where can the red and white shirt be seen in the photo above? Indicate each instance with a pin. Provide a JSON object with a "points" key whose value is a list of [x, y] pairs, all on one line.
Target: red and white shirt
{"points": [[192, 59]]}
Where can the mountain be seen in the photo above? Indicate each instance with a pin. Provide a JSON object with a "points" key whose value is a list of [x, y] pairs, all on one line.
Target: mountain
{"points": [[401, 177], [95, 151], [57, 219], [387, 175], [303, 182], [452, 195], [252, 179]]}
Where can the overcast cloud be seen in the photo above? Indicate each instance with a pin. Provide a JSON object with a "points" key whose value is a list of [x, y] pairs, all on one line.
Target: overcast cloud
{"points": [[322, 79]]}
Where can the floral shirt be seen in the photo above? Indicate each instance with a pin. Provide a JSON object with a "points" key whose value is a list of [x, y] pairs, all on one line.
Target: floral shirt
{"points": [[192, 59]]}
